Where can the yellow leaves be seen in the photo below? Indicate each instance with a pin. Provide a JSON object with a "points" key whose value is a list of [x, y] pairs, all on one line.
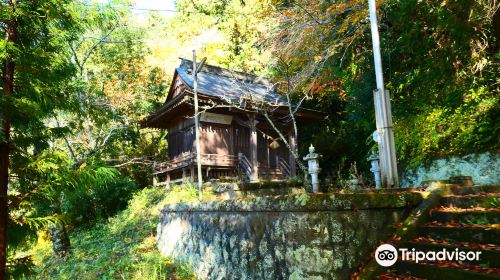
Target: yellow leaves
{"points": [[311, 32], [127, 84]]}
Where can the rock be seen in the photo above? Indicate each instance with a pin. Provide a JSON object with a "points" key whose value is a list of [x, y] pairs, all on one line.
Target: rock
{"points": [[60, 240]]}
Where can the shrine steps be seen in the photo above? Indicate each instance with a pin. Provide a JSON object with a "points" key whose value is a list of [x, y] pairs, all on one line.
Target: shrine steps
{"points": [[466, 219]]}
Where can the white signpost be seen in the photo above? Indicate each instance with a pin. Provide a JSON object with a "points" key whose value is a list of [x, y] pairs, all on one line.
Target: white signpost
{"points": [[215, 118], [383, 114]]}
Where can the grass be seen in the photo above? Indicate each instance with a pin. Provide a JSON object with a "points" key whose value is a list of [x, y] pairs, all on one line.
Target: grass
{"points": [[124, 247], [483, 221]]}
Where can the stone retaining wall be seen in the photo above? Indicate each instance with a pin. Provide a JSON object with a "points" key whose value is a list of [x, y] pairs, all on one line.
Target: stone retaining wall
{"points": [[484, 169], [292, 237]]}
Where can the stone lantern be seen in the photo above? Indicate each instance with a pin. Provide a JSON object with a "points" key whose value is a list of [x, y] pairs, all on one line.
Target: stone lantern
{"points": [[373, 159], [313, 164]]}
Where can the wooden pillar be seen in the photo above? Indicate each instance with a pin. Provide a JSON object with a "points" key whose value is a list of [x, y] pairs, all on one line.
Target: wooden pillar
{"points": [[155, 177], [168, 180], [293, 144], [183, 174], [192, 173], [268, 160], [253, 149]]}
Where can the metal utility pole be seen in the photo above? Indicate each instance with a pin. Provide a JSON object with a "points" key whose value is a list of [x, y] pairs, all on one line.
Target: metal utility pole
{"points": [[196, 69], [383, 114]]}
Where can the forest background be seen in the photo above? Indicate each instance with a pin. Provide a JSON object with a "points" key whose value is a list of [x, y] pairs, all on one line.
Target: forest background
{"points": [[79, 76]]}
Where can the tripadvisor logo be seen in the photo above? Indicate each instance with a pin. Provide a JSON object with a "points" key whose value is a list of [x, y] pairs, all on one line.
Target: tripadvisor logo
{"points": [[387, 255]]}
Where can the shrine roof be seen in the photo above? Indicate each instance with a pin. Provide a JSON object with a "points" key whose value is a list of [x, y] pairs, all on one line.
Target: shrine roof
{"points": [[235, 88], [231, 86]]}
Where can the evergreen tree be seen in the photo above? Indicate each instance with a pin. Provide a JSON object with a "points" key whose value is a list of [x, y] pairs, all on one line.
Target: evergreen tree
{"points": [[35, 67]]}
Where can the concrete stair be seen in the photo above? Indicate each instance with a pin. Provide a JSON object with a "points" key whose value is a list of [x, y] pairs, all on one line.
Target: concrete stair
{"points": [[486, 200], [467, 219], [468, 216], [271, 174], [429, 271], [461, 233]]}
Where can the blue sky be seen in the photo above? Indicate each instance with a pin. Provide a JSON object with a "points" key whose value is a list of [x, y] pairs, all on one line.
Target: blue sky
{"points": [[155, 4], [142, 6]]}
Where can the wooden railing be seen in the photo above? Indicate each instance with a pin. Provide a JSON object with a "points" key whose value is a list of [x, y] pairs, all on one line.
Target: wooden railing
{"points": [[245, 165], [284, 167], [182, 160], [218, 160], [189, 158], [240, 161]]}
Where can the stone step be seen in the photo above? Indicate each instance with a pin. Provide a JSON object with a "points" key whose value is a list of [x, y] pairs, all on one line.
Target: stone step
{"points": [[492, 216], [462, 180], [461, 234], [486, 200], [270, 172], [430, 271], [391, 276], [461, 190], [490, 256]]}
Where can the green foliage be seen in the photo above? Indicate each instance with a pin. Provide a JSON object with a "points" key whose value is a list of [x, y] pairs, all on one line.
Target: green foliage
{"points": [[81, 86], [99, 202], [122, 247], [495, 203], [445, 83], [303, 199], [86, 73], [483, 221], [19, 266], [441, 65], [233, 31], [42, 75], [54, 191]]}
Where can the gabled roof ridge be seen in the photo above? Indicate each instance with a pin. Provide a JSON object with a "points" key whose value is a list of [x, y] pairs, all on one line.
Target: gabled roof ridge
{"points": [[187, 65]]}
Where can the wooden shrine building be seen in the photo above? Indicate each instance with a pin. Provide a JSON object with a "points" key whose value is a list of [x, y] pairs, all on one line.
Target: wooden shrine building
{"points": [[235, 139]]}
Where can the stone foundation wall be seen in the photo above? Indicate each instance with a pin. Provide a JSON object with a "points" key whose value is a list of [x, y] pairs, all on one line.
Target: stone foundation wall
{"points": [[484, 169], [293, 237]]}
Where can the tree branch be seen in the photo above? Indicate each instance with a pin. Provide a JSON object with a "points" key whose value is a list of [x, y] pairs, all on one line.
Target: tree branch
{"points": [[96, 44], [66, 140]]}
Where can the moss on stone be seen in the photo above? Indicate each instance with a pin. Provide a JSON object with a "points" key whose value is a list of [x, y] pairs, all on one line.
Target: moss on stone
{"points": [[307, 202], [407, 230], [270, 184], [280, 237]]}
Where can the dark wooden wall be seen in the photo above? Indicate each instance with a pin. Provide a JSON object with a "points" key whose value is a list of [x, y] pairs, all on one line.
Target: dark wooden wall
{"points": [[223, 139], [241, 139], [180, 137], [262, 149], [216, 139], [265, 154]]}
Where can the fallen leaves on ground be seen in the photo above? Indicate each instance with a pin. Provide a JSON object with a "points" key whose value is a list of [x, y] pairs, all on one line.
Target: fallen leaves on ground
{"points": [[452, 208], [461, 225], [428, 240], [391, 276], [463, 266], [472, 195]]}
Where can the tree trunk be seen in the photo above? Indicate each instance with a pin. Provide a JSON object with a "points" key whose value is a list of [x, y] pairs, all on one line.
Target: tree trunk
{"points": [[60, 240], [293, 151], [8, 88]]}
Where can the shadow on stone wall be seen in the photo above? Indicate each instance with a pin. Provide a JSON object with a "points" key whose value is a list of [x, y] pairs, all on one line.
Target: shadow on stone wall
{"points": [[484, 168], [280, 238]]}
